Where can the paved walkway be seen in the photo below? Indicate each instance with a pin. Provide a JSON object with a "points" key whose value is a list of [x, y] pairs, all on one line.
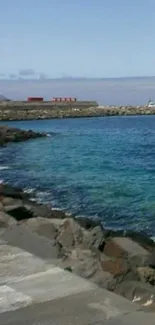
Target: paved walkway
{"points": [[34, 291]]}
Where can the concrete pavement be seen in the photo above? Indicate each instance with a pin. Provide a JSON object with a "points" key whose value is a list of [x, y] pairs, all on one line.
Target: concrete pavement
{"points": [[35, 291]]}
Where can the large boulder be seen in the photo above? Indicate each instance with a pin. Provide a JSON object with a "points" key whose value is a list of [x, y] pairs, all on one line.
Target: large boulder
{"points": [[142, 239], [116, 266], [94, 239], [85, 263], [43, 227], [70, 234], [139, 237], [123, 247]]}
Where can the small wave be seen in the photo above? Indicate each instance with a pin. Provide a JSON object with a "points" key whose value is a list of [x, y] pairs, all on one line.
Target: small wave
{"points": [[33, 199], [29, 190], [4, 167], [57, 209]]}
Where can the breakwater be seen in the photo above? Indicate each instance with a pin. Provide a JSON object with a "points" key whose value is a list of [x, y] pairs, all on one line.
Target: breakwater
{"points": [[49, 110], [114, 260]]}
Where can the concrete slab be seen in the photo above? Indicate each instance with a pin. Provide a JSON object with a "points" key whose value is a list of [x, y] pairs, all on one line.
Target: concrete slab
{"points": [[16, 263], [22, 236], [33, 290], [11, 300], [50, 285], [87, 308], [137, 318]]}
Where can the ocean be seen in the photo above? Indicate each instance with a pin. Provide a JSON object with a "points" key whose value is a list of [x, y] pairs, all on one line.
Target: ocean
{"points": [[97, 167]]}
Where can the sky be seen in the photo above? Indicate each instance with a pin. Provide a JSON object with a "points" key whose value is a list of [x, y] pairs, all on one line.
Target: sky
{"points": [[77, 38]]}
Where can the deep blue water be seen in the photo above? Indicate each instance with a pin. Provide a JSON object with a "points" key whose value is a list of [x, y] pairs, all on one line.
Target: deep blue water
{"points": [[98, 167]]}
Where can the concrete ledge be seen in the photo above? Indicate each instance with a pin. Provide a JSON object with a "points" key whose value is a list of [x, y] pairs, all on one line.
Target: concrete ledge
{"points": [[137, 318]]}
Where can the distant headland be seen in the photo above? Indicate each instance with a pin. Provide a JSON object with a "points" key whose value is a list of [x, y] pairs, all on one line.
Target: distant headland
{"points": [[35, 108]]}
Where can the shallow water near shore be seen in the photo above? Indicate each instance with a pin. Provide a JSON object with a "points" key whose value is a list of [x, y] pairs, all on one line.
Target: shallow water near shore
{"points": [[98, 167]]}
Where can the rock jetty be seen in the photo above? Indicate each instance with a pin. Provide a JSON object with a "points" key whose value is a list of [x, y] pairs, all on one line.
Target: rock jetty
{"points": [[30, 111], [122, 262], [8, 134]]}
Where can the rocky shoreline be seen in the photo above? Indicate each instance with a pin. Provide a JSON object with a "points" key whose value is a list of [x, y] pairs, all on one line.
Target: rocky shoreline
{"points": [[25, 111], [8, 134], [122, 262]]}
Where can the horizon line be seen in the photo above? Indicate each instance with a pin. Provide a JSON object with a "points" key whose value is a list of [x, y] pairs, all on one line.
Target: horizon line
{"points": [[74, 78]]}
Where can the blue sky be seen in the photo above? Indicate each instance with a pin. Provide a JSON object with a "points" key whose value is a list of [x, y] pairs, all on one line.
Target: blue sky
{"points": [[90, 38]]}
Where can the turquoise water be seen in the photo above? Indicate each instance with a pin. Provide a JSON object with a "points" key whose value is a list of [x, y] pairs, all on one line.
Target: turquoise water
{"points": [[98, 167]]}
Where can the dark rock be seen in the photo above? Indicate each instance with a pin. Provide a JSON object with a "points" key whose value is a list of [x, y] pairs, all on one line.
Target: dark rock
{"points": [[68, 268], [87, 223], [58, 214], [20, 213], [8, 134], [44, 211], [13, 192], [109, 233], [38, 210]]}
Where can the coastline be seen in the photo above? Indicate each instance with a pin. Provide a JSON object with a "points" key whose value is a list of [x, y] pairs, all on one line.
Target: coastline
{"points": [[122, 262], [28, 111]]}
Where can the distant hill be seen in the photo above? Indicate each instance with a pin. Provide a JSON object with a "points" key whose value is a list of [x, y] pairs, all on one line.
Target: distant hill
{"points": [[3, 98]]}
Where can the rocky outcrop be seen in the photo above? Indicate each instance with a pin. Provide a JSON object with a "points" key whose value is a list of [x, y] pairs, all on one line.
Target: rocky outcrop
{"points": [[118, 261], [8, 134]]}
